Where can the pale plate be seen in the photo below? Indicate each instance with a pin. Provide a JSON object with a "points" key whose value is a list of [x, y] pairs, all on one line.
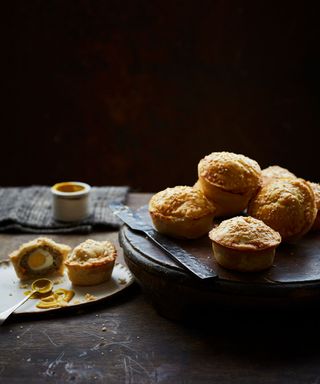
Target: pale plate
{"points": [[12, 290]]}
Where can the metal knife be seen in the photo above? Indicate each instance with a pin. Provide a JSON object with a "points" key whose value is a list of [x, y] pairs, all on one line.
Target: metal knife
{"points": [[184, 258]]}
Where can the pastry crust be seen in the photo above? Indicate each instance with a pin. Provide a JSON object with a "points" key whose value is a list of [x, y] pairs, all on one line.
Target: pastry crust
{"points": [[245, 233], [286, 205], [244, 244], [316, 190], [20, 258], [182, 212], [91, 262], [276, 172], [229, 180]]}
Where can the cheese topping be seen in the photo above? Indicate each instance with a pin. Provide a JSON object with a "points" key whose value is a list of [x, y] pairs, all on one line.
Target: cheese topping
{"points": [[181, 202], [92, 252], [245, 233], [231, 172]]}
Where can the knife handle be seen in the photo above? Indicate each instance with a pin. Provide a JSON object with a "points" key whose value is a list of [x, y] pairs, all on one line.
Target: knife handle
{"points": [[184, 258]]}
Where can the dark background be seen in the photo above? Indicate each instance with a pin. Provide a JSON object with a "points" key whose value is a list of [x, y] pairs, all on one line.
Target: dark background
{"points": [[137, 92]]}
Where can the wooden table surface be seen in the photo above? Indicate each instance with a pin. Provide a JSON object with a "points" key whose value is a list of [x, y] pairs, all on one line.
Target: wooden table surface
{"points": [[139, 346]]}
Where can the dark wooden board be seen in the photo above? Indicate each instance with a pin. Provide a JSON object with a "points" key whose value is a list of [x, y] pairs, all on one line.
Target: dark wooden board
{"points": [[293, 279]]}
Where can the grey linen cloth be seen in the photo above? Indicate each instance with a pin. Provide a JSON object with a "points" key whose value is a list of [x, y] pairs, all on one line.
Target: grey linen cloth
{"points": [[29, 210]]}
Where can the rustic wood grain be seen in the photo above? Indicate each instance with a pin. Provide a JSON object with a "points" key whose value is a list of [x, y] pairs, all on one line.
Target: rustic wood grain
{"points": [[139, 346]]}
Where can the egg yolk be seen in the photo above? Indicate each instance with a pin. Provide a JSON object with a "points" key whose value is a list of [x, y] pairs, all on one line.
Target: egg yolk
{"points": [[36, 259]]}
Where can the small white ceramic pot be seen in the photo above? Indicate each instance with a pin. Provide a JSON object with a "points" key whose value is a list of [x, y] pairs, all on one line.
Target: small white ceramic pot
{"points": [[70, 201]]}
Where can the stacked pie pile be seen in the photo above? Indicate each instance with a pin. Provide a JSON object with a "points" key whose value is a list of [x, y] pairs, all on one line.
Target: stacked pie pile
{"points": [[257, 209]]}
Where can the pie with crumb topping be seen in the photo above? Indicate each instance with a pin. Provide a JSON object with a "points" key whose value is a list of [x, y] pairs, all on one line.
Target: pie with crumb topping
{"points": [[316, 190], [229, 180], [182, 212], [276, 172], [244, 244], [286, 205], [91, 262]]}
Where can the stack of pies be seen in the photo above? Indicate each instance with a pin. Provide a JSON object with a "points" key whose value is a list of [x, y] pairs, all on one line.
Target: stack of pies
{"points": [[278, 207]]}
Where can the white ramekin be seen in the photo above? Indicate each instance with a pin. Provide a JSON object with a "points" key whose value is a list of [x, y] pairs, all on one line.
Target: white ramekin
{"points": [[70, 205]]}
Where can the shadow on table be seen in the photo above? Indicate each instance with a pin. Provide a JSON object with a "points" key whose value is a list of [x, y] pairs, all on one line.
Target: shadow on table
{"points": [[271, 334]]}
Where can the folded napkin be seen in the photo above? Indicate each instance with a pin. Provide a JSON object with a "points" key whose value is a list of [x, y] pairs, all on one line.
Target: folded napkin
{"points": [[29, 210]]}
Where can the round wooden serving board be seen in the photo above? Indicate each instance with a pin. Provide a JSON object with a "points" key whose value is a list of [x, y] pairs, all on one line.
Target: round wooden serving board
{"points": [[293, 281]]}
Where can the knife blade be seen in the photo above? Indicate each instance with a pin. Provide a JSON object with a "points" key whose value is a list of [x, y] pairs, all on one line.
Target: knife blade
{"points": [[184, 258]]}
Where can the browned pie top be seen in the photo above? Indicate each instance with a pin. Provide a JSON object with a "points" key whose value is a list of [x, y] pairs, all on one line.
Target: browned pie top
{"points": [[245, 233], [230, 171], [286, 205], [181, 202], [92, 253], [276, 172], [316, 191]]}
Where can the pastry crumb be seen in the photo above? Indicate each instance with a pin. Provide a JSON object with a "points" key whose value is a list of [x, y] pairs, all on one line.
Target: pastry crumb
{"points": [[90, 297], [63, 303], [4, 263]]}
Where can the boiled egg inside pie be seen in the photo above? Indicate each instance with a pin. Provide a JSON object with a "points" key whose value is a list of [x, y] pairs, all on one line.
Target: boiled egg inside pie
{"points": [[39, 257]]}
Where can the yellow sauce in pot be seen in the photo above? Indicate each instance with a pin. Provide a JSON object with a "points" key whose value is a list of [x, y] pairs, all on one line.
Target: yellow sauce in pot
{"points": [[68, 187]]}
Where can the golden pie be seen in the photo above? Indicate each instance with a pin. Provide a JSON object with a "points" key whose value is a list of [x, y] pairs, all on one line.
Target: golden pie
{"points": [[39, 257], [229, 181], [286, 205], [91, 262], [316, 190], [182, 212], [276, 172], [244, 244]]}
